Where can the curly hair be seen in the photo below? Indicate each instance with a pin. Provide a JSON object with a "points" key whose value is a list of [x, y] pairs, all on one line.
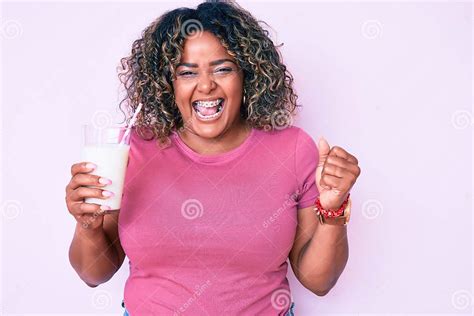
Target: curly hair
{"points": [[147, 73]]}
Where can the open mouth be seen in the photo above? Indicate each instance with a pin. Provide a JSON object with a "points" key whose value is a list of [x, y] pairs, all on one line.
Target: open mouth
{"points": [[208, 110]]}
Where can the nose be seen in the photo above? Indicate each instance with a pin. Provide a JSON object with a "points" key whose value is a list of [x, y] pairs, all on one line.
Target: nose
{"points": [[206, 83]]}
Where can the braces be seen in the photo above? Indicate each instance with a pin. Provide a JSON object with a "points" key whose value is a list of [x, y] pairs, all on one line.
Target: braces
{"points": [[208, 104]]}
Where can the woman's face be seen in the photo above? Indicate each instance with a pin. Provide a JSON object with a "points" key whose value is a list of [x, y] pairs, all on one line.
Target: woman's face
{"points": [[208, 87]]}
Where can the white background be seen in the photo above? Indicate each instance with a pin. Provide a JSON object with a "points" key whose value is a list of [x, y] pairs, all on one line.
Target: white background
{"points": [[390, 83]]}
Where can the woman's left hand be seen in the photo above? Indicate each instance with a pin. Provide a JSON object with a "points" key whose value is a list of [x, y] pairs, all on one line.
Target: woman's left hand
{"points": [[336, 173]]}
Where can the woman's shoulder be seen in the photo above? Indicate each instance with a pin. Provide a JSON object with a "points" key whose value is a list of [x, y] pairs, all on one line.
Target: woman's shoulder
{"points": [[292, 139], [141, 134], [145, 138], [287, 134]]}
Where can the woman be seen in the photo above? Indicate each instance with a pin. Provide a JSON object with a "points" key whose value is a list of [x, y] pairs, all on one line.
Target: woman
{"points": [[226, 193]]}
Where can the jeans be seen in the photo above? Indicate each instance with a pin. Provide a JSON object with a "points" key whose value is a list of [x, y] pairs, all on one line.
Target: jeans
{"points": [[291, 312]]}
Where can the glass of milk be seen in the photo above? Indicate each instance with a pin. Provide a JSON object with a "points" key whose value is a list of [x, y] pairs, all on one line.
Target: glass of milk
{"points": [[103, 148]]}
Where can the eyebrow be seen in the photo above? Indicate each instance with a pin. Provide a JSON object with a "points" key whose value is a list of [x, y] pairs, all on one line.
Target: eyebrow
{"points": [[212, 63]]}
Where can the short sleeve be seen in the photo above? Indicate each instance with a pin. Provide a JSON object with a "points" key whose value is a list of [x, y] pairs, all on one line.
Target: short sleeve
{"points": [[306, 161]]}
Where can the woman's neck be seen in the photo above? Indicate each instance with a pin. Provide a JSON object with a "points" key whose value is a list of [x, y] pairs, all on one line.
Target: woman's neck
{"points": [[231, 139]]}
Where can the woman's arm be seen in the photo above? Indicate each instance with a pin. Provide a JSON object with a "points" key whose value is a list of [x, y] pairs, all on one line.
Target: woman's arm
{"points": [[96, 254], [319, 253], [325, 257], [322, 250]]}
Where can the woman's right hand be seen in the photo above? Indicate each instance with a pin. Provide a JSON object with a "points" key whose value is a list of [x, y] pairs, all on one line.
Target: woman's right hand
{"points": [[90, 216]]}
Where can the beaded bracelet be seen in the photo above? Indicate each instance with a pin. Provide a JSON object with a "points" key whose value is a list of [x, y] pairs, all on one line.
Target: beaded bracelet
{"points": [[327, 213]]}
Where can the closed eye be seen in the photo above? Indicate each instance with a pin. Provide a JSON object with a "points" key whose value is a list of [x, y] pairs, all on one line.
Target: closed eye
{"points": [[186, 73], [191, 74], [224, 70]]}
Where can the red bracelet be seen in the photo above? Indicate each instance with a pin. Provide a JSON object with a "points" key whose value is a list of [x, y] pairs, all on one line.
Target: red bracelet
{"points": [[328, 213]]}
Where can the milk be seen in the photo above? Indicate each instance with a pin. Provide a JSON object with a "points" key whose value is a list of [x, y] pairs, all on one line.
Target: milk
{"points": [[111, 161]]}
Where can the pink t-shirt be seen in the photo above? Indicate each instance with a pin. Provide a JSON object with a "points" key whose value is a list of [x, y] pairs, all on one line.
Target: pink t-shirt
{"points": [[211, 234]]}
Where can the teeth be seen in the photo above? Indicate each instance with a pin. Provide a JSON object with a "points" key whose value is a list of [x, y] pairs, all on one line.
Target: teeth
{"points": [[219, 110], [208, 104], [208, 116]]}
